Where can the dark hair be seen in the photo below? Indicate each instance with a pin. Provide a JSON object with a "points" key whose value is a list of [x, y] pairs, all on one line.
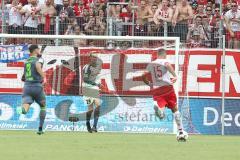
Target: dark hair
{"points": [[198, 16], [32, 48], [154, 5], [217, 5]]}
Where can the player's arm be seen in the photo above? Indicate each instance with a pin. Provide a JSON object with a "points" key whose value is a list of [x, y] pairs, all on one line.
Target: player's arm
{"points": [[171, 70], [145, 79], [23, 77], [86, 78], [40, 71], [175, 16]]}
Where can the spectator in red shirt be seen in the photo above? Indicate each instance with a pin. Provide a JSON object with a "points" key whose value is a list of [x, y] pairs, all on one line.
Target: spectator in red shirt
{"points": [[203, 2], [78, 8], [23, 2]]}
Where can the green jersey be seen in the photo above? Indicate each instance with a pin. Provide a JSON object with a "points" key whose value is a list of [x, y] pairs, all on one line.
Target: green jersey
{"points": [[30, 71]]}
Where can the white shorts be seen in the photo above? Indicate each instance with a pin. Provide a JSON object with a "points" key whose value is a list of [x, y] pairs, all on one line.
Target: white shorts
{"points": [[90, 93]]}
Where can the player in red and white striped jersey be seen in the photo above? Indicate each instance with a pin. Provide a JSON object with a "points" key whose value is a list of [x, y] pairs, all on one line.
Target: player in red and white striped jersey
{"points": [[163, 76]]}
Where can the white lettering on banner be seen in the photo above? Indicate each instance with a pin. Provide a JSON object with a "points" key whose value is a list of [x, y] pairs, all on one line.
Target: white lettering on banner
{"points": [[228, 118], [232, 74], [12, 126], [199, 72], [145, 129], [3, 56], [129, 72], [6, 112], [36, 109], [205, 116], [237, 119], [106, 74], [52, 127], [11, 53], [194, 73]]}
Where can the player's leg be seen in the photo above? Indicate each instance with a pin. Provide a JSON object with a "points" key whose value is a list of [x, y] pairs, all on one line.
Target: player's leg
{"points": [[181, 135], [27, 100], [159, 107], [88, 117], [172, 104], [41, 100], [178, 118], [24, 108], [97, 103]]}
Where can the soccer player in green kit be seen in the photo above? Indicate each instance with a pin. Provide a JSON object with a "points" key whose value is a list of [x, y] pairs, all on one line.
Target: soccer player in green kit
{"points": [[34, 78]]}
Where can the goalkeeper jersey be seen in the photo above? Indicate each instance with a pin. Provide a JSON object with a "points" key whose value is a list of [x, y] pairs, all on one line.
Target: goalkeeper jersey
{"points": [[90, 74]]}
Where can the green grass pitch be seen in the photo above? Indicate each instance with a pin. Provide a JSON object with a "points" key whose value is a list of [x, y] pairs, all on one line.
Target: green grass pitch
{"points": [[26, 145]]}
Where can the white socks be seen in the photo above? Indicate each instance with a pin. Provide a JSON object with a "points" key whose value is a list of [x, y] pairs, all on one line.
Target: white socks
{"points": [[178, 120]]}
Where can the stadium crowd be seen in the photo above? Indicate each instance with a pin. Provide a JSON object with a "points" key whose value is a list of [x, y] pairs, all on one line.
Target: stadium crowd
{"points": [[198, 23]]}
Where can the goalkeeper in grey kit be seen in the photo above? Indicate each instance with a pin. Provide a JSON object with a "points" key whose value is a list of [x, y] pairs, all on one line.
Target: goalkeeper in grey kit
{"points": [[90, 90]]}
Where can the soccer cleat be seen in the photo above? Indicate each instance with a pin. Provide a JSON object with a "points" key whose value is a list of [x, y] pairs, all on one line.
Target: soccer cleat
{"points": [[94, 129], [40, 131], [89, 129], [160, 114]]}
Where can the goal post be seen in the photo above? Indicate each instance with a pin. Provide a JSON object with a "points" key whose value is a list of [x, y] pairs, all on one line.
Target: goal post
{"points": [[60, 66]]}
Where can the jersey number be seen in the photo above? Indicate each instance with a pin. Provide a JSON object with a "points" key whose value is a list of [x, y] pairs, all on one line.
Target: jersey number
{"points": [[28, 71], [158, 72]]}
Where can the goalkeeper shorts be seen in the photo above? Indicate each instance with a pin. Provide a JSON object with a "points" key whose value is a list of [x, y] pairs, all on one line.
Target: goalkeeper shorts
{"points": [[90, 93]]}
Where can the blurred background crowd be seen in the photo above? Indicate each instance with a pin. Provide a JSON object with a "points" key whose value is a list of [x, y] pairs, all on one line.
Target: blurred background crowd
{"points": [[198, 23]]}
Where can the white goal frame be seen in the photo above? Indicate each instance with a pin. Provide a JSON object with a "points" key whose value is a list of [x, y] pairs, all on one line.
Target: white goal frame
{"points": [[117, 38]]}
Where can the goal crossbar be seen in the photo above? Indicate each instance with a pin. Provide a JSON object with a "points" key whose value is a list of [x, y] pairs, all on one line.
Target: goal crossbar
{"points": [[176, 39]]}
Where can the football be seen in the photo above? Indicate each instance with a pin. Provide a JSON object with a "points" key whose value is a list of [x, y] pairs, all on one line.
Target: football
{"points": [[182, 137]]}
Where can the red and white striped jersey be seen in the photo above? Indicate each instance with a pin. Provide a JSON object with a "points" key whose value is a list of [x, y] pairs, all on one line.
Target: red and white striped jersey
{"points": [[159, 73]]}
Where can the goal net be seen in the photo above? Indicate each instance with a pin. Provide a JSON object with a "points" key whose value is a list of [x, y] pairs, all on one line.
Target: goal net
{"points": [[127, 104]]}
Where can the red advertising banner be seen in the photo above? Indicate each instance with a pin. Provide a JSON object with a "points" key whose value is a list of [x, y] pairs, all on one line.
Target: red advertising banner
{"points": [[199, 74]]}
